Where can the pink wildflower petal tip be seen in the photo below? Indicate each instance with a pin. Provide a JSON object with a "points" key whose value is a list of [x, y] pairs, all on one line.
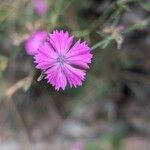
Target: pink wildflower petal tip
{"points": [[63, 62], [34, 41]]}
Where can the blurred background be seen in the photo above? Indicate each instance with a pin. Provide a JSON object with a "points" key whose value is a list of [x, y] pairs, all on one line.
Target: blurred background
{"points": [[111, 111]]}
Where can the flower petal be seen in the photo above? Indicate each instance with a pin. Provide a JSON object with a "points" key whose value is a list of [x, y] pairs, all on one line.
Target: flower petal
{"points": [[61, 41], [79, 55], [46, 57], [74, 76], [56, 77], [78, 49]]}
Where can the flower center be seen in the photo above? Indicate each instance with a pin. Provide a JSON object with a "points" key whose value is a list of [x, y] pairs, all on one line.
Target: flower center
{"points": [[61, 59]]}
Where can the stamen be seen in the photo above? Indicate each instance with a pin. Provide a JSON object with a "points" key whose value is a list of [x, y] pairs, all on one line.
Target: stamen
{"points": [[61, 59]]}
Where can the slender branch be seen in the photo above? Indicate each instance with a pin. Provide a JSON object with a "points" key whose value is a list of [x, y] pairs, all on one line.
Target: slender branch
{"points": [[20, 84]]}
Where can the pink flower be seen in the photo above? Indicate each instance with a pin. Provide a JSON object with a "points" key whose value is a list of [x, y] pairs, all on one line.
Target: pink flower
{"points": [[40, 6], [33, 42], [78, 146], [121, 28], [62, 61]]}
